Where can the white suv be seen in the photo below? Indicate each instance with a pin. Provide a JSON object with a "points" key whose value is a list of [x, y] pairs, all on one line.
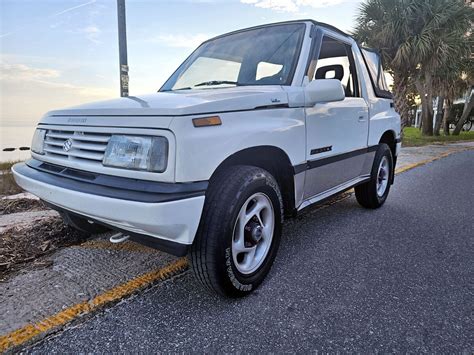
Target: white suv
{"points": [[255, 125]]}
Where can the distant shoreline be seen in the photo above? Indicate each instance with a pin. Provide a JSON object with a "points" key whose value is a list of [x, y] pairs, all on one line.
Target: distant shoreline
{"points": [[15, 136]]}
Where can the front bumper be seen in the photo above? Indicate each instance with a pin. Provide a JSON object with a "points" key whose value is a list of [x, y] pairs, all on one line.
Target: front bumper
{"points": [[167, 214]]}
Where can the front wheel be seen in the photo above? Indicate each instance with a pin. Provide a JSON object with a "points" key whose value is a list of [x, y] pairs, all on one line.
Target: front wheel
{"points": [[374, 192], [240, 231]]}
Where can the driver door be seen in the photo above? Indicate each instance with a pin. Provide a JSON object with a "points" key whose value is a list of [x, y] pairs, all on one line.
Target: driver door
{"points": [[336, 132]]}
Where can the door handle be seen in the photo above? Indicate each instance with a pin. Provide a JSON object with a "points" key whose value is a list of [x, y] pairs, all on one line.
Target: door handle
{"points": [[361, 119]]}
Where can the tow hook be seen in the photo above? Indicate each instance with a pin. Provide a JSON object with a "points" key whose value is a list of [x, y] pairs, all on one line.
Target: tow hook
{"points": [[118, 238]]}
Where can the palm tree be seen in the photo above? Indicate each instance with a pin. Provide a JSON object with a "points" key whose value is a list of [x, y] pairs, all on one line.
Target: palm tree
{"points": [[468, 81], [468, 107], [383, 25], [436, 43], [416, 38], [451, 82]]}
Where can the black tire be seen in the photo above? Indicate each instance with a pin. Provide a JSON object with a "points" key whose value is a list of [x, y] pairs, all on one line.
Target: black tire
{"points": [[211, 253], [82, 224], [366, 193]]}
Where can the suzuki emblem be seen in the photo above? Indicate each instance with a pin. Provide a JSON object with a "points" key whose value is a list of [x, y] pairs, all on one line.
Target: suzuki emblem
{"points": [[67, 145]]}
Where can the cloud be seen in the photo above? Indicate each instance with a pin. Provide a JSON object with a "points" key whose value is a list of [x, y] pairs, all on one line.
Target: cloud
{"points": [[48, 17], [20, 73], [93, 92], [24, 72], [291, 5], [28, 92], [91, 32], [90, 29], [72, 8], [181, 41]]}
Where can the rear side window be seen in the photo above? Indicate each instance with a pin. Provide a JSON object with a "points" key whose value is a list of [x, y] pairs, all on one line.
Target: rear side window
{"points": [[374, 66]]}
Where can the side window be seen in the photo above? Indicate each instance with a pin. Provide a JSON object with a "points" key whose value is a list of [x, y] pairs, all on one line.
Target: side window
{"points": [[335, 61], [377, 75]]}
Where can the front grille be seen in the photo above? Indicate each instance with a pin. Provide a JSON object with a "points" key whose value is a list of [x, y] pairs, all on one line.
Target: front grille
{"points": [[88, 146]]}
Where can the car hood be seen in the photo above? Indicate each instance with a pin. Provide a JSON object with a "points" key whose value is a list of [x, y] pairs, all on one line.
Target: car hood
{"points": [[167, 105]]}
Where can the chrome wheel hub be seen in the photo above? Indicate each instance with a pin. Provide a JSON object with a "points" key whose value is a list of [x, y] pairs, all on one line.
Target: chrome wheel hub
{"points": [[253, 233]]}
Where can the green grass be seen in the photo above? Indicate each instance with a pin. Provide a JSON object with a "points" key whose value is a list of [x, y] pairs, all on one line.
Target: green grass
{"points": [[412, 138]]}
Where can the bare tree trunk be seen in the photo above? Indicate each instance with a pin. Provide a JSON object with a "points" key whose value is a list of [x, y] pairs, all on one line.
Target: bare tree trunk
{"points": [[400, 92], [426, 118], [409, 118], [447, 113], [439, 115], [426, 109], [467, 110]]}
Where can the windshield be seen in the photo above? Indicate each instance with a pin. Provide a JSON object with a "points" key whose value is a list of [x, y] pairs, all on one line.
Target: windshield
{"points": [[262, 56]]}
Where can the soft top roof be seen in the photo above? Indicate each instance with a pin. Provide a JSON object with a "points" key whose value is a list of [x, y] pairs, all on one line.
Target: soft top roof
{"points": [[321, 24]]}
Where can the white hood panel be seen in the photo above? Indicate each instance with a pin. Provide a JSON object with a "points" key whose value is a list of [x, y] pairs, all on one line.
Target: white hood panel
{"points": [[161, 107]]}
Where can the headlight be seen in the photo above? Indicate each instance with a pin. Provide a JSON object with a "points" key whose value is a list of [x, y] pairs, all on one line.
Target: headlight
{"points": [[38, 141], [137, 153]]}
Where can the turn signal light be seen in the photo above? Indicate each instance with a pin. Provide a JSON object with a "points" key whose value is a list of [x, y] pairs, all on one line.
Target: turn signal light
{"points": [[207, 121]]}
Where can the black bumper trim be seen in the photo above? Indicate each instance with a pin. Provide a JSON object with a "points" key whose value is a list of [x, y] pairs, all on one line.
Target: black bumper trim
{"points": [[109, 186], [166, 246]]}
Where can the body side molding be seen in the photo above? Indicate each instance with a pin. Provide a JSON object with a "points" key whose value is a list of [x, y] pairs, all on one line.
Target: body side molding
{"points": [[311, 164]]}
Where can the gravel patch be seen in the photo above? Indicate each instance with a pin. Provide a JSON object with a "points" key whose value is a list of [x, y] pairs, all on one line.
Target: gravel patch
{"points": [[8, 206], [26, 243]]}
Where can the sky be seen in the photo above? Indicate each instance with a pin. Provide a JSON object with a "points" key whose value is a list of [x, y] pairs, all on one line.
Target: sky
{"points": [[57, 53]]}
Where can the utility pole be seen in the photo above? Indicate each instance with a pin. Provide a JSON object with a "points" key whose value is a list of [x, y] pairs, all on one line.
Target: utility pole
{"points": [[122, 38]]}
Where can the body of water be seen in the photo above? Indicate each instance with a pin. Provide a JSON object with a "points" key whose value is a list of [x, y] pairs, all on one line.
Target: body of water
{"points": [[14, 136]]}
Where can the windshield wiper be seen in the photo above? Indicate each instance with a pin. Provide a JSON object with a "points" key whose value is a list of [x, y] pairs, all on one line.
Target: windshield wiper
{"points": [[217, 82], [206, 83], [168, 90]]}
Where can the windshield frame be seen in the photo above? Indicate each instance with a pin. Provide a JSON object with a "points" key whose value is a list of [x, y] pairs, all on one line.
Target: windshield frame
{"points": [[291, 74]]}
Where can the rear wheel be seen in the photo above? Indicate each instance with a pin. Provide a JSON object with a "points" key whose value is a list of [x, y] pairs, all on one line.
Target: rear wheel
{"points": [[374, 192], [240, 230], [82, 224]]}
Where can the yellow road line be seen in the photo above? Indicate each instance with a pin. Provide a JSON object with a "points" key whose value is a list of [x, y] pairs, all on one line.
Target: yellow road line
{"points": [[426, 161], [30, 331]]}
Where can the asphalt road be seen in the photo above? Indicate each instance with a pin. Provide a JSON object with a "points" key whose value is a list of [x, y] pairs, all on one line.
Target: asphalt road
{"points": [[346, 279]]}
